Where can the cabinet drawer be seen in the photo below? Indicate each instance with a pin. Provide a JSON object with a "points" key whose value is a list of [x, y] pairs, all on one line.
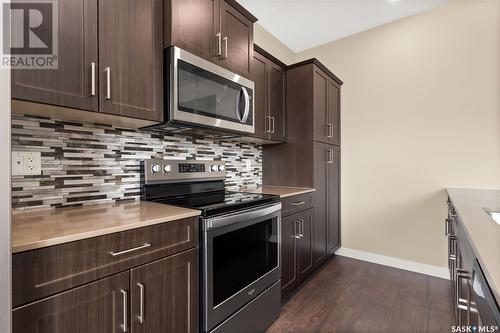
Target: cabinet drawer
{"points": [[296, 203], [42, 272]]}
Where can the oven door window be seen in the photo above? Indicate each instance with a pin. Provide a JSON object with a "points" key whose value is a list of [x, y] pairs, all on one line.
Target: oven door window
{"points": [[242, 256], [205, 93]]}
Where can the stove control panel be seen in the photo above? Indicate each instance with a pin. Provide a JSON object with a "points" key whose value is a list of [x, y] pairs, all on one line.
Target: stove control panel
{"points": [[159, 170]]}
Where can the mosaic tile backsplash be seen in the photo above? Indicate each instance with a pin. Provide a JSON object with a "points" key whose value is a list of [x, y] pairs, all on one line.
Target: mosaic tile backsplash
{"points": [[93, 163]]}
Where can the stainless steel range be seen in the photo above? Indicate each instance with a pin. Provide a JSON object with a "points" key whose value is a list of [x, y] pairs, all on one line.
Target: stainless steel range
{"points": [[240, 237]]}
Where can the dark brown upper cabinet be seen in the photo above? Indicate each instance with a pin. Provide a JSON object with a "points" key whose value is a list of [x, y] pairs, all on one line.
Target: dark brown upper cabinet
{"points": [[326, 106], [237, 40], [131, 58], [110, 60], [260, 77], [98, 307], [334, 110], [194, 26], [268, 74], [74, 83], [220, 31]]}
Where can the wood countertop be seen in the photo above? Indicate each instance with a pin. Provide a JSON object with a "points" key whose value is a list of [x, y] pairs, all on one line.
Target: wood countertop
{"points": [[483, 232], [282, 191], [42, 228]]}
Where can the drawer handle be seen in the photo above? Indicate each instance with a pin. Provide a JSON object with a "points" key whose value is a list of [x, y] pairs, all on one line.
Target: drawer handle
{"points": [[143, 246], [298, 203]]}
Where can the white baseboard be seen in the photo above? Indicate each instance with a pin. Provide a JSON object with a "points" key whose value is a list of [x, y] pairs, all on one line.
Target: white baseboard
{"points": [[412, 266]]}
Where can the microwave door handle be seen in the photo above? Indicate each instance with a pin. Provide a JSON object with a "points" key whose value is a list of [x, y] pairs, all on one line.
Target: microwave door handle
{"points": [[238, 106], [247, 104]]}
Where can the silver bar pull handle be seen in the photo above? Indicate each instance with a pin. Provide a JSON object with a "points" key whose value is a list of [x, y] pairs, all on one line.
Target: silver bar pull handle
{"points": [[272, 122], [268, 124], [301, 228], [219, 44], [92, 79], [125, 308], [224, 55], [297, 203], [295, 232], [330, 156], [107, 70], [329, 131], [141, 303], [119, 253]]}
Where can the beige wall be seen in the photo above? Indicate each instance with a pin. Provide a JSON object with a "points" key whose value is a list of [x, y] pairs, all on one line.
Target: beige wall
{"points": [[420, 112], [271, 44]]}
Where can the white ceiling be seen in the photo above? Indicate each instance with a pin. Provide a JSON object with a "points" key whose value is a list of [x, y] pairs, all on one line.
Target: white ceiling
{"points": [[302, 24]]}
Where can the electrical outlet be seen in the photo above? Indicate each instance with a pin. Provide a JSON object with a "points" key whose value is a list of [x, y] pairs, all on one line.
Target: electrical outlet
{"points": [[26, 163]]}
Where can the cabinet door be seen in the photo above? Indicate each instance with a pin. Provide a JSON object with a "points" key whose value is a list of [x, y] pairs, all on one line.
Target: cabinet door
{"points": [[237, 40], [98, 307], [130, 58], [333, 197], [320, 107], [320, 160], [69, 85], [277, 102], [259, 74], [164, 295], [304, 244], [194, 27], [289, 236], [334, 111]]}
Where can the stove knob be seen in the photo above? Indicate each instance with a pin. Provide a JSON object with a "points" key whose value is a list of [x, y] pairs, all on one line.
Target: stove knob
{"points": [[221, 168], [155, 168], [167, 168], [213, 168]]}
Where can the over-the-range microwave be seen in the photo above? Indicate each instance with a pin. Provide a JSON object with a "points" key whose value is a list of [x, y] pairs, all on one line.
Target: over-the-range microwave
{"points": [[200, 95]]}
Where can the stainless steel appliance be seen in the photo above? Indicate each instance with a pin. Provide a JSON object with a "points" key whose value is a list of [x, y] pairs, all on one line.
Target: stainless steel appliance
{"points": [[202, 95], [240, 237]]}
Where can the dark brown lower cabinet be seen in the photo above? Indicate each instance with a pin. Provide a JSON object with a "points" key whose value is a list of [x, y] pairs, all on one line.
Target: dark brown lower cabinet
{"points": [[296, 249], [305, 242], [288, 254], [98, 307], [155, 291], [164, 295], [333, 200]]}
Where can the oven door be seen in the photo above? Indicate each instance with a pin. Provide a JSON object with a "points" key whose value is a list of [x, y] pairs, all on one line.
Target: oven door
{"points": [[208, 95], [241, 259]]}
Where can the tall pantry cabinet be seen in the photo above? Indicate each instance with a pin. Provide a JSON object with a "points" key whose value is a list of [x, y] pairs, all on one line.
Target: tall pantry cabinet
{"points": [[311, 157]]}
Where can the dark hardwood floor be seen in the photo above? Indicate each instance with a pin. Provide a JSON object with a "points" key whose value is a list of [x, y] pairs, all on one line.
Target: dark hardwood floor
{"points": [[351, 296]]}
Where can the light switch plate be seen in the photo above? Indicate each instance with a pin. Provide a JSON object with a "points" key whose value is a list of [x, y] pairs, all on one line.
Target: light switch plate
{"points": [[26, 163]]}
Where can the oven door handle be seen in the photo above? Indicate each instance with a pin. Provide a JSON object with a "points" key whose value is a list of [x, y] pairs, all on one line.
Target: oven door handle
{"points": [[237, 217]]}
